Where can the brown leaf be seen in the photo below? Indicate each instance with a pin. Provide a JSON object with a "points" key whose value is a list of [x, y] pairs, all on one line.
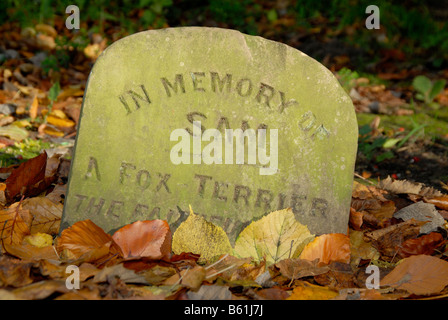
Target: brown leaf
{"points": [[31, 253], [440, 202], [150, 239], [46, 215], [340, 276], [420, 275], [14, 272], [14, 225], [388, 240], [41, 290], [405, 187], [356, 219], [299, 268], [85, 240], [332, 247], [25, 176], [426, 244]]}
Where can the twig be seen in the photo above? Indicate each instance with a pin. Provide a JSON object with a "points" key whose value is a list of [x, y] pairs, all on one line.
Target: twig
{"points": [[361, 177]]}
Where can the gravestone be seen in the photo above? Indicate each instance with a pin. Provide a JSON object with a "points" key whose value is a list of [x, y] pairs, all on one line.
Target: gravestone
{"points": [[234, 125]]}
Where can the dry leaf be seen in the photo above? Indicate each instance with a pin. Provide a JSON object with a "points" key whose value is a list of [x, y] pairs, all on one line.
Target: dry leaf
{"points": [[14, 273], [39, 240], [85, 240], [327, 248], [199, 236], [388, 240], [46, 215], [31, 253], [439, 202], [33, 108], [426, 244], [274, 237], [14, 225], [150, 239], [420, 275], [60, 122], [422, 211], [406, 187], [299, 268], [307, 291], [28, 174]]}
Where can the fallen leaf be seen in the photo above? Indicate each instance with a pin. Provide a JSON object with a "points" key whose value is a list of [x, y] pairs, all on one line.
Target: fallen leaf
{"points": [[199, 236], [85, 240], [23, 179], [33, 108], [388, 240], [14, 273], [150, 239], [41, 290], [440, 202], [46, 215], [307, 291], [421, 211], [14, 225], [299, 268], [13, 132], [59, 122], [360, 249], [405, 187], [190, 278], [327, 248], [212, 292], [119, 271], [420, 275], [426, 244], [274, 237], [39, 240], [28, 252], [340, 276]]}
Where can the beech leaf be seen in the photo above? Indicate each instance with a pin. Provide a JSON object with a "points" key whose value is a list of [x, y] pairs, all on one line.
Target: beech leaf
{"points": [[420, 275], [332, 247], [85, 240], [274, 237], [150, 239]]}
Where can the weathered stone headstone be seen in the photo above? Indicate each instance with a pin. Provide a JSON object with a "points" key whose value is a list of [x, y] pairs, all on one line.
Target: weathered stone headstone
{"points": [[162, 123]]}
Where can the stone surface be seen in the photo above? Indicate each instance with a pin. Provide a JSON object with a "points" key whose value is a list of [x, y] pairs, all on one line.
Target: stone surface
{"points": [[145, 86]]}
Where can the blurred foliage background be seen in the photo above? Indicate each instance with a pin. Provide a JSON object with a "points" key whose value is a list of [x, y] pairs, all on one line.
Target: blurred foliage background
{"points": [[419, 29]]}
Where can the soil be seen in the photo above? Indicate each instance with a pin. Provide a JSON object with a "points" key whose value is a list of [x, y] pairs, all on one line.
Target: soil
{"points": [[423, 161]]}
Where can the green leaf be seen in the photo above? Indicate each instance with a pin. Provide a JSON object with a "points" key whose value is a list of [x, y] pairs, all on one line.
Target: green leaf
{"points": [[390, 143], [437, 88], [54, 91], [274, 237], [272, 15], [422, 84], [384, 156]]}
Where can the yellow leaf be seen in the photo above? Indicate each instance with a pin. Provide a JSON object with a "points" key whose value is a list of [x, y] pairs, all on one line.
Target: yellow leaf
{"points": [[52, 131], [308, 291], [33, 108], [63, 123], [199, 236], [274, 237], [39, 239]]}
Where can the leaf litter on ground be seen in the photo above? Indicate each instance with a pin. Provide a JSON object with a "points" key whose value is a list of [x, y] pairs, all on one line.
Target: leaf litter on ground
{"points": [[275, 257]]}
